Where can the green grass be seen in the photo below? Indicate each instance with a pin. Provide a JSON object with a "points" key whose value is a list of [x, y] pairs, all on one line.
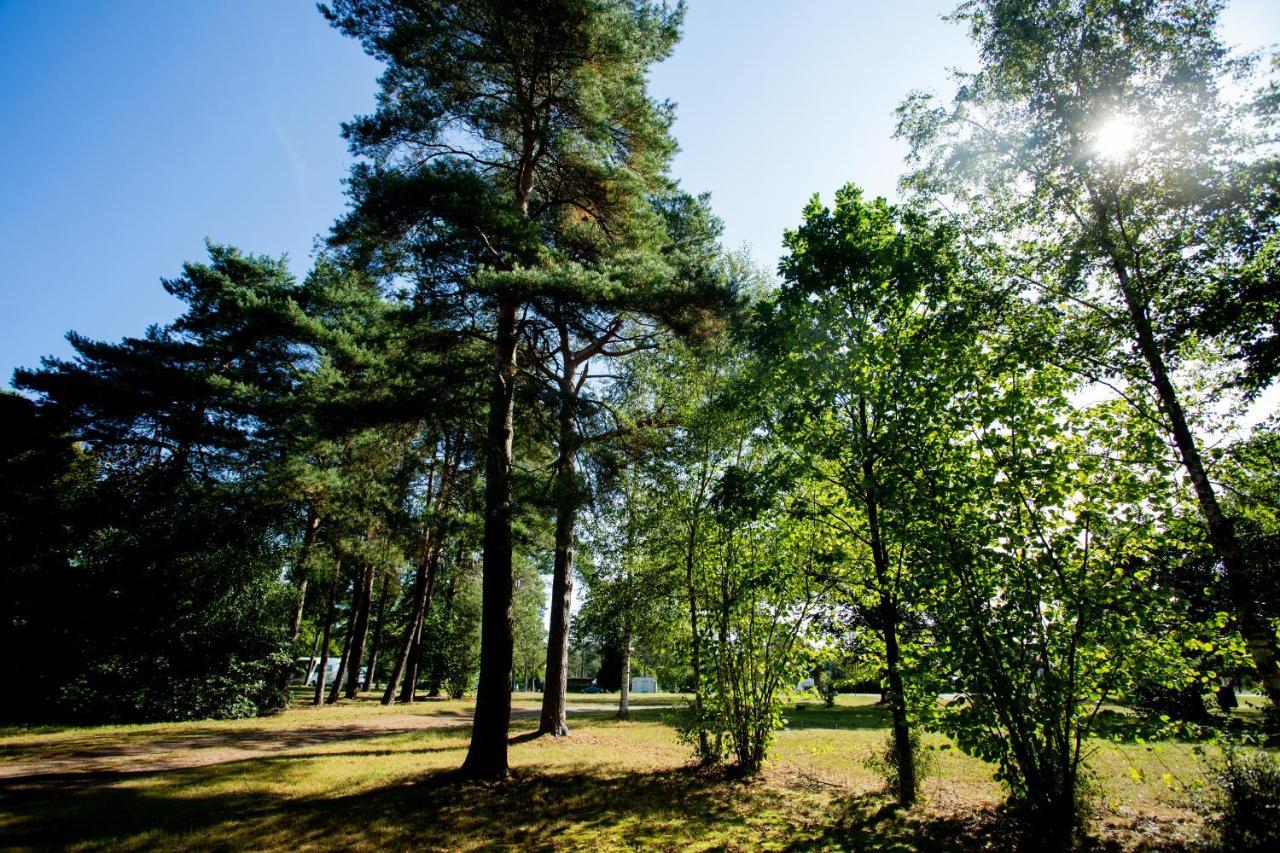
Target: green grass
{"points": [[360, 776]]}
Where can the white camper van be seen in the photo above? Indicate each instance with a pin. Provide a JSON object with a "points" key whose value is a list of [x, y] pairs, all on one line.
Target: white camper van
{"points": [[312, 665]]}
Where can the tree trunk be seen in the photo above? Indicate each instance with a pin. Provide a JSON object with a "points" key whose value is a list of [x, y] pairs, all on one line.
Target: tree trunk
{"points": [[308, 542], [1242, 584], [336, 690], [624, 699], [361, 633], [414, 661], [553, 720], [898, 705], [487, 754], [377, 635], [300, 568], [889, 621], [690, 555], [414, 624], [324, 643], [315, 655]]}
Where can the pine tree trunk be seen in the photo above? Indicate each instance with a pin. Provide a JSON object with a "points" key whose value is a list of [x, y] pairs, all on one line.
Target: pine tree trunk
{"points": [[324, 643], [553, 720], [1242, 583], [414, 625], [413, 663], [308, 542], [361, 633], [315, 655], [295, 625], [336, 690], [377, 636], [487, 754]]}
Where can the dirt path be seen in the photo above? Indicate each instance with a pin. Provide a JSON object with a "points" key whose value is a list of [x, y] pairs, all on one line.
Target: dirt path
{"points": [[105, 764]]}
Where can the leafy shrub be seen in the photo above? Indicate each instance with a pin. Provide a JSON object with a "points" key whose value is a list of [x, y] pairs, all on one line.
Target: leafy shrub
{"points": [[885, 763], [826, 687], [1243, 811]]}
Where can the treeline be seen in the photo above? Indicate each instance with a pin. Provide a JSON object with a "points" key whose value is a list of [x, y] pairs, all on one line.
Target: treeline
{"points": [[987, 445]]}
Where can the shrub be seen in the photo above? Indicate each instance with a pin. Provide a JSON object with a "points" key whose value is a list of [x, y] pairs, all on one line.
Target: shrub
{"points": [[826, 687], [885, 763], [1243, 812]]}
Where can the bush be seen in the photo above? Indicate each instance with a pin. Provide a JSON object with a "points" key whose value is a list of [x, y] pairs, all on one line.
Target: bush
{"points": [[1243, 813], [826, 687], [885, 763]]}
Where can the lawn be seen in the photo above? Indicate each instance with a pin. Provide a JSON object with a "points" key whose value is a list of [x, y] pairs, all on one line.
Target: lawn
{"points": [[361, 776]]}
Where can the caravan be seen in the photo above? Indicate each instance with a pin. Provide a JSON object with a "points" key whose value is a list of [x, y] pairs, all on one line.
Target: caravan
{"points": [[312, 665]]}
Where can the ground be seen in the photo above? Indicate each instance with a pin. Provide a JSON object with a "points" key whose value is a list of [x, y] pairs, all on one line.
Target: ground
{"points": [[360, 776]]}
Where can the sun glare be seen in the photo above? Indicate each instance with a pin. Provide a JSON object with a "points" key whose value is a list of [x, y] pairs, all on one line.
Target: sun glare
{"points": [[1115, 138]]}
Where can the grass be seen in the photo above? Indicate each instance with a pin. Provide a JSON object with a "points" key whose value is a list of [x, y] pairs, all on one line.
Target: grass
{"points": [[360, 776]]}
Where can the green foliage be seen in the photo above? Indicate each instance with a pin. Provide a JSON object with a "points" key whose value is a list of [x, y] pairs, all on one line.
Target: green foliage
{"points": [[761, 583], [884, 763], [1243, 812], [825, 684]]}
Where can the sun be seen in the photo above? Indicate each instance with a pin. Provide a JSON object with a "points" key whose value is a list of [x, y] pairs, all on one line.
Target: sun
{"points": [[1115, 138]]}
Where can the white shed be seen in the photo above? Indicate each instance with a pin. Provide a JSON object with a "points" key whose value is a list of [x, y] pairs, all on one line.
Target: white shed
{"points": [[644, 684]]}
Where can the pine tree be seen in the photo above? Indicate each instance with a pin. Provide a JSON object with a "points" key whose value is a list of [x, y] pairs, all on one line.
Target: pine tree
{"points": [[510, 170]]}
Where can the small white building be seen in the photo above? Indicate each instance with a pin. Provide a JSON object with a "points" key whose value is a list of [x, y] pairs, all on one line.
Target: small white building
{"points": [[644, 684]]}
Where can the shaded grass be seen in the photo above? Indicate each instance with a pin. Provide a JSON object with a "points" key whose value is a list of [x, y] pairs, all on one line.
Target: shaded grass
{"points": [[365, 784]]}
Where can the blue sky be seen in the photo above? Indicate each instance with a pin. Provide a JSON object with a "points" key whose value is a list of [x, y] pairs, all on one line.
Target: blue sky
{"points": [[136, 128]]}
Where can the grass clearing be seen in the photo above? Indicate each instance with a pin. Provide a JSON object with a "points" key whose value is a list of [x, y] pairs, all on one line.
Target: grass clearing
{"points": [[361, 776]]}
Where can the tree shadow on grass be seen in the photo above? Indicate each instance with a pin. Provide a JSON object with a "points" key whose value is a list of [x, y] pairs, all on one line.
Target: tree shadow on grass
{"points": [[220, 807], [805, 715], [437, 810], [870, 822], [158, 751]]}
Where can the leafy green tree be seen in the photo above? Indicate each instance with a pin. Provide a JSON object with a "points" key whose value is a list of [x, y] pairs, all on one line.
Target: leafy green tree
{"points": [[865, 348], [762, 577], [1096, 152], [1047, 519]]}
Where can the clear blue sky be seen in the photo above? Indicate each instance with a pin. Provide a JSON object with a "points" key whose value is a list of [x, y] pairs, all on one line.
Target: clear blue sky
{"points": [[133, 129]]}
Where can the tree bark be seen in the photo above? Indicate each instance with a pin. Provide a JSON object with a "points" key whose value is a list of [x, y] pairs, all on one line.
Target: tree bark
{"points": [[624, 698], [487, 754], [336, 690], [406, 644], [889, 625], [308, 542], [691, 546], [324, 643], [413, 662], [553, 720], [1242, 583], [360, 634], [300, 568], [377, 636]]}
